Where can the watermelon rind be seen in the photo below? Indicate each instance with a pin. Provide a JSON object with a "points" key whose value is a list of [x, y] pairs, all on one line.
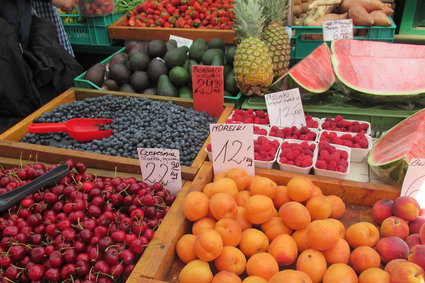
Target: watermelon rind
{"points": [[394, 171], [371, 95], [328, 78]]}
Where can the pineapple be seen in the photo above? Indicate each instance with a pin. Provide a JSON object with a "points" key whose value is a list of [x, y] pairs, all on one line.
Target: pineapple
{"points": [[276, 36], [252, 64]]}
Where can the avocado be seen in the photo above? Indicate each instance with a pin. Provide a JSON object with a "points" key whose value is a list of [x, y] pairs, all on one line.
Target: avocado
{"points": [[130, 44], [217, 61], [230, 55], [156, 48], [119, 73], [136, 49], [197, 49], [126, 88], [186, 63], [165, 87], [139, 80], [178, 76], [111, 85], [208, 56], [230, 84], [227, 69], [121, 57], [176, 56], [156, 68], [171, 44], [185, 92], [96, 74], [216, 43], [139, 61], [189, 67], [151, 91]]}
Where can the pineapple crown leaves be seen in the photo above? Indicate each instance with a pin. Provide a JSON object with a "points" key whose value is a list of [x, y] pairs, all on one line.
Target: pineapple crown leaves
{"points": [[275, 10], [249, 19]]}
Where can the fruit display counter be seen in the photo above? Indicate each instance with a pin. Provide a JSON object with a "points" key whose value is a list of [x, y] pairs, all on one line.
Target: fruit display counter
{"points": [[156, 121]]}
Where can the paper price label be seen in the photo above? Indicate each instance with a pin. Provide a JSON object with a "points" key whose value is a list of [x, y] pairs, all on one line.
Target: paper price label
{"points": [[161, 165], [232, 147], [414, 181], [208, 89], [285, 108], [340, 29], [181, 41]]}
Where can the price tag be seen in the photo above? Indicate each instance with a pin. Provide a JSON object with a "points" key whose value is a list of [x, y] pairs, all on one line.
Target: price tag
{"points": [[340, 29], [181, 41], [285, 108], [161, 165], [232, 147], [208, 89], [414, 181]]}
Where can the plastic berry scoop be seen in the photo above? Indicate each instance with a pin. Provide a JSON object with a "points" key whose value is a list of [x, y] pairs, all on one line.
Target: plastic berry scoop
{"points": [[80, 129], [9, 199]]}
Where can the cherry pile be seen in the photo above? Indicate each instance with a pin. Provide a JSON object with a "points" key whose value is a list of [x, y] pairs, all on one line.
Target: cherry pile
{"points": [[358, 140], [298, 154], [310, 122], [249, 116], [265, 149], [83, 229], [341, 125], [331, 158], [260, 131], [303, 133]]}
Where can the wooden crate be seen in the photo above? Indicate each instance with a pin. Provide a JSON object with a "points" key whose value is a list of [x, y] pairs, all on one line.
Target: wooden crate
{"points": [[171, 224], [117, 30], [159, 263], [10, 145]]}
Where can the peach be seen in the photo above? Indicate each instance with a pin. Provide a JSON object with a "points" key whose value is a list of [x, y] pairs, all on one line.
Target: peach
{"points": [[406, 207], [390, 248], [422, 234], [382, 209], [407, 272], [413, 240], [389, 267], [422, 212], [415, 225], [394, 226], [417, 255]]}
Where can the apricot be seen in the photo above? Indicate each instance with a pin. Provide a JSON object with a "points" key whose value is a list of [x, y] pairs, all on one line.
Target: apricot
{"points": [[263, 186], [259, 209], [364, 257], [300, 237], [320, 207], [263, 265], [184, 248], [338, 206], [322, 234], [313, 263], [374, 275], [195, 206], [284, 249], [242, 197], [203, 224], [196, 271], [281, 196], [274, 227], [254, 279], [224, 185], [231, 259], [241, 218], [239, 176], [340, 253], [295, 215], [226, 277], [223, 205], [300, 188], [230, 231], [253, 241], [340, 273], [208, 245], [290, 276], [362, 234]]}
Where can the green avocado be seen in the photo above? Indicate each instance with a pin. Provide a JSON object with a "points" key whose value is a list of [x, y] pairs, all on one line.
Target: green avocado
{"points": [[165, 87], [197, 49], [176, 57], [179, 76], [216, 43], [185, 92], [208, 56]]}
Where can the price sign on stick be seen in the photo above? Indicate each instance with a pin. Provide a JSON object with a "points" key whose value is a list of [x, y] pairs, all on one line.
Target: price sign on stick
{"points": [[161, 165], [340, 29], [232, 147], [181, 41], [414, 181], [208, 89], [285, 108]]}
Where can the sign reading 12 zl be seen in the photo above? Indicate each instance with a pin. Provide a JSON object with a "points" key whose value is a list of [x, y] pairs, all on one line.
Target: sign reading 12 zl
{"points": [[161, 165], [232, 147], [285, 108]]}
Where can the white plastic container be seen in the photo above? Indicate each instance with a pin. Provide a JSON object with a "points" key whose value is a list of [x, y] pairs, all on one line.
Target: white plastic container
{"points": [[267, 164], [294, 168], [330, 173], [311, 129], [357, 154], [368, 131], [209, 153]]}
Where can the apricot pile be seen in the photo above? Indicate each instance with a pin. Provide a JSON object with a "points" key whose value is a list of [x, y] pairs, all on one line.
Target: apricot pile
{"points": [[251, 230]]}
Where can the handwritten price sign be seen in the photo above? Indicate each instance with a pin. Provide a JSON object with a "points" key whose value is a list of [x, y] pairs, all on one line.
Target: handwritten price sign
{"points": [[208, 89], [414, 181], [285, 108], [161, 165], [232, 147], [340, 29]]}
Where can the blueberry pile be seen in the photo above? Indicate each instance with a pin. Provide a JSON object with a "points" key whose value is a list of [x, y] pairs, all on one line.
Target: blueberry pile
{"points": [[137, 122]]}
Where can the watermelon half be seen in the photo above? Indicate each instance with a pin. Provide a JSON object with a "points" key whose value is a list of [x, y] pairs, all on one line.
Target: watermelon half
{"points": [[314, 73], [380, 72], [390, 157]]}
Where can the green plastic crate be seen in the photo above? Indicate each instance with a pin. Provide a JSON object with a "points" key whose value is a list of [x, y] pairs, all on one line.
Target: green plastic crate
{"points": [[302, 47], [80, 82], [89, 30]]}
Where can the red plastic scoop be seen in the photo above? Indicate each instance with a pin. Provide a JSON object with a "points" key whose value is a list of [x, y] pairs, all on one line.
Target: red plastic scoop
{"points": [[80, 129]]}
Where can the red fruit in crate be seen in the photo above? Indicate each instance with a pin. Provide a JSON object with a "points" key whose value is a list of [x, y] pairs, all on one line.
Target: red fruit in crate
{"points": [[321, 164]]}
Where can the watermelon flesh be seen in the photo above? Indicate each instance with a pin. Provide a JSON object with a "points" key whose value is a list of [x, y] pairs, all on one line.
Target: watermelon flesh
{"points": [[391, 155], [378, 71], [314, 73]]}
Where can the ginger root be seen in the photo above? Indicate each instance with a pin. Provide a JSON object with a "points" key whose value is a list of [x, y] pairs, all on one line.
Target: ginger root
{"points": [[319, 8]]}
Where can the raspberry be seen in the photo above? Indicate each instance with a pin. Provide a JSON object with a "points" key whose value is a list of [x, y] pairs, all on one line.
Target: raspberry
{"points": [[321, 164], [307, 161], [285, 144], [341, 169], [345, 137], [304, 138], [287, 131], [356, 145], [292, 155], [345, 123], [298, 160], [332, 165], [311, 136], [364, 126], [209, 147], [337, 141], [338, 118], [348, 143], [290, 162], [260, 113], [308, 152], [257, 120], [363, 143], [304, 145], [344, 154], [324, 153], [326, 125], [312, 147], [283, 159], [343, 162], [336, 155]]}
